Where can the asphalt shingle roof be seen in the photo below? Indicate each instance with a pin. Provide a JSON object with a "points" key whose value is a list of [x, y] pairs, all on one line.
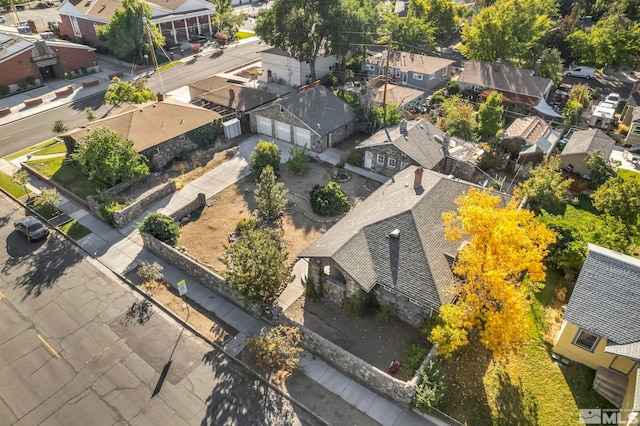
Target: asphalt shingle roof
{"points": [[504, 77], [319, 109], [418, 263], [589, 141], [605, 299], [419, 143], [218, 90]]}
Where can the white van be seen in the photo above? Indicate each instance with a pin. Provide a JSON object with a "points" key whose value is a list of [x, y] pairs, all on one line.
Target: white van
{"points": [[583, 72]]}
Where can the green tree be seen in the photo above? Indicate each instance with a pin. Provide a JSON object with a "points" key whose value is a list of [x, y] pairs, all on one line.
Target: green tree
{"points": [[105, 157], [508, 29], [546, 187], [276, 350], [431, 389], [224, 19], [256, 266], [438, 13], [329, 200], [89, 114], [60, 126], [551, 64], [490, 116], [21, 177], [125, 33], [265, 154], [601, 169], [572, 112], [580, 93], [119, 92], [162, 227], [619, 198], [206, 135], [459, 118], [48, 198], [379, 117], [409, 33], [271, 196], [298, 161]]}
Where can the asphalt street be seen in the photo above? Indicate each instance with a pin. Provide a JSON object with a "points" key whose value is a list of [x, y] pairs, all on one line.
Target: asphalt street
{"points": [[76, 349]]}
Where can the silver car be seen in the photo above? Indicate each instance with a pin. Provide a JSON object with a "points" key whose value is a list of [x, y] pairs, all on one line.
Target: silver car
{"points": [[32, 228]]}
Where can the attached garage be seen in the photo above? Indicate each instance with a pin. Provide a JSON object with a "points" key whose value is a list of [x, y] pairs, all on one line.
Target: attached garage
{"points": [[264, 125], [283, 131], [302, 137]]}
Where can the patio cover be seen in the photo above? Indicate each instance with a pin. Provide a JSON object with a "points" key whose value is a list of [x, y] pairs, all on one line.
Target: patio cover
{"points": [[546, 109]]}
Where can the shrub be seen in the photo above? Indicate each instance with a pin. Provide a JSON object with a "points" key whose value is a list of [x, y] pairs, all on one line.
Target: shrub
{"points": [[437, 99], [277, 350], [4, 90], [453, 87], [361, 303], [313, 291], [329, 80], [60, 126], [298, 161], [356, 158], [108, 207], [329, 200], [150, 271], [162, 227], [22, 84], [265, 153], [206, 135], [31, 80], [349, 97], [247, 223], [430, 391], [623, 129], [386, 313], [414, 358]]}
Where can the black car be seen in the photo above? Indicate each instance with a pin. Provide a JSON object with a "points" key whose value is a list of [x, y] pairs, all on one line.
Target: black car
{"points": [[20, 6], [42, 6], [32, 228]]}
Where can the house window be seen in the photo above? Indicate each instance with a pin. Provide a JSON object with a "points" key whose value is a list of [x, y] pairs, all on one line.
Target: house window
{"points": [[445, 71], [403, 165], [391, 163], [389, 289], [586, 340], [636, 130], [380, 159], [418, 77], [74, 26], [398, 73], [269, 73], [370, 67]]}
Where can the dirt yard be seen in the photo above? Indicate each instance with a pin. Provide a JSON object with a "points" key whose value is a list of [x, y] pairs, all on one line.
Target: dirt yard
{"points": [[206, 237], [371, 339]]}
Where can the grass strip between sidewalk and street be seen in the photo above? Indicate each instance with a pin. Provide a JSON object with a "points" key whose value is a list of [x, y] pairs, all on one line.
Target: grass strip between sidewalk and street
{"points": [[11, 187], [31, 149]]}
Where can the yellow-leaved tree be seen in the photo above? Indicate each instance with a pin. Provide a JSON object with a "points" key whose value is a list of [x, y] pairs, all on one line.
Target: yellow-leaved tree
{"points": [[499, 268]]}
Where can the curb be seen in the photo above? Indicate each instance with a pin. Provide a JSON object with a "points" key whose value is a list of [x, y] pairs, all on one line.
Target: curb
{"points": [[176, 318]]}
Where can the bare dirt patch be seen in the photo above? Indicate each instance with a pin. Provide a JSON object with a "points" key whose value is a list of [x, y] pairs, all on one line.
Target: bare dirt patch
{"points": [[370, 339], [205, 238]]}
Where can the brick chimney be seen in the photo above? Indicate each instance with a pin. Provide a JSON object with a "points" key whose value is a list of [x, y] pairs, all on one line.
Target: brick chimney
{"points": [[232, 93], [417, 179], [160, 96]]}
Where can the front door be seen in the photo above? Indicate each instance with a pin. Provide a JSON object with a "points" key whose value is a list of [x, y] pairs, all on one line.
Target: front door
{"points": [[368, 159]]}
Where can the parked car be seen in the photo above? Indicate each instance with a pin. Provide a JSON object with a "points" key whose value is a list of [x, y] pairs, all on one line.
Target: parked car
{"points": [[20, 6], [32, 228], [2, 20], [42, 5], [614, 98], [582, 72]]}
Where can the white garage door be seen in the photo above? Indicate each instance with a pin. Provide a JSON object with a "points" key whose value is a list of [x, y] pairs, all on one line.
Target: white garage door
{"points": [[302, 137], [283, 131], [264, 125]]}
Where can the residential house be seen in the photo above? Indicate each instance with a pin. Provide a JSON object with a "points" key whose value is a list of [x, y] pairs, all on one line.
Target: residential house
{"points": [[159, 130], [281, 66], [229, 98], [630, 116], [393, 245], [581, 145], [537, 136], [44, 60], [177, 20], [601, 327], [426, 73], [315, 118], [518, 86], [415, 143], [405, 97]]}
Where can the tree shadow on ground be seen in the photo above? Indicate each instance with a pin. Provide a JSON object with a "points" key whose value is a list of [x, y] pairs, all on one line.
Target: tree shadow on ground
{"points": [[239, 397], [38, 272], [514, 407]]}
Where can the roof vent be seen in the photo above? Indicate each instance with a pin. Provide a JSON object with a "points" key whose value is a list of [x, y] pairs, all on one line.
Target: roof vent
{"points": [[395, 233]]}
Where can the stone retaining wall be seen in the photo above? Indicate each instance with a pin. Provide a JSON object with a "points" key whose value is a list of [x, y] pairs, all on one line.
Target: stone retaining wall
{"points": [[126, 215], [205, 276], [352, 366], [185, 210]]}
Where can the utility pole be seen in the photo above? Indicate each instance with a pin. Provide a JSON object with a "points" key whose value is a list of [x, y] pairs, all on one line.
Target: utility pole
{"points": [[147, 31], [15, 12], [386, 77]]}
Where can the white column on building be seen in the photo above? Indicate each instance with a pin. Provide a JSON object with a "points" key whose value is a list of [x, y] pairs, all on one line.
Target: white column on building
{"points": [[186, 28], [210, 28], [198, 23], [175, 35]]}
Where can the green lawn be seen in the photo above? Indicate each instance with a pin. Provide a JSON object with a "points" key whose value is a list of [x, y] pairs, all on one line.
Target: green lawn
{"points": [[243, 34], [628, 174], [67, 176], [11, 187], [527, 389], [31, 149], [47, 212], [56, 148], [74, 230], [169, 65]]}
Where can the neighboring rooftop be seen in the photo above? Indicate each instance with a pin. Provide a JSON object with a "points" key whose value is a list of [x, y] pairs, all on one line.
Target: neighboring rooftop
{"points": [[411, 62], [231, 93], [505, 78], [605, 300], [103, 10], [587, 142]]}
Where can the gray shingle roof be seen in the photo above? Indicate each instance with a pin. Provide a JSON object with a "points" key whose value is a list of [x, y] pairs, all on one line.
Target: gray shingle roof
{"points": [[418, 263], [504, 77], [589, 141], [419, 144], [605, 298], [319, 109]]}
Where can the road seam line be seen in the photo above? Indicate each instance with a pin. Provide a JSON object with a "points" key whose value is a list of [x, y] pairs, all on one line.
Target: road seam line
{"points": [[48, 346]]}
